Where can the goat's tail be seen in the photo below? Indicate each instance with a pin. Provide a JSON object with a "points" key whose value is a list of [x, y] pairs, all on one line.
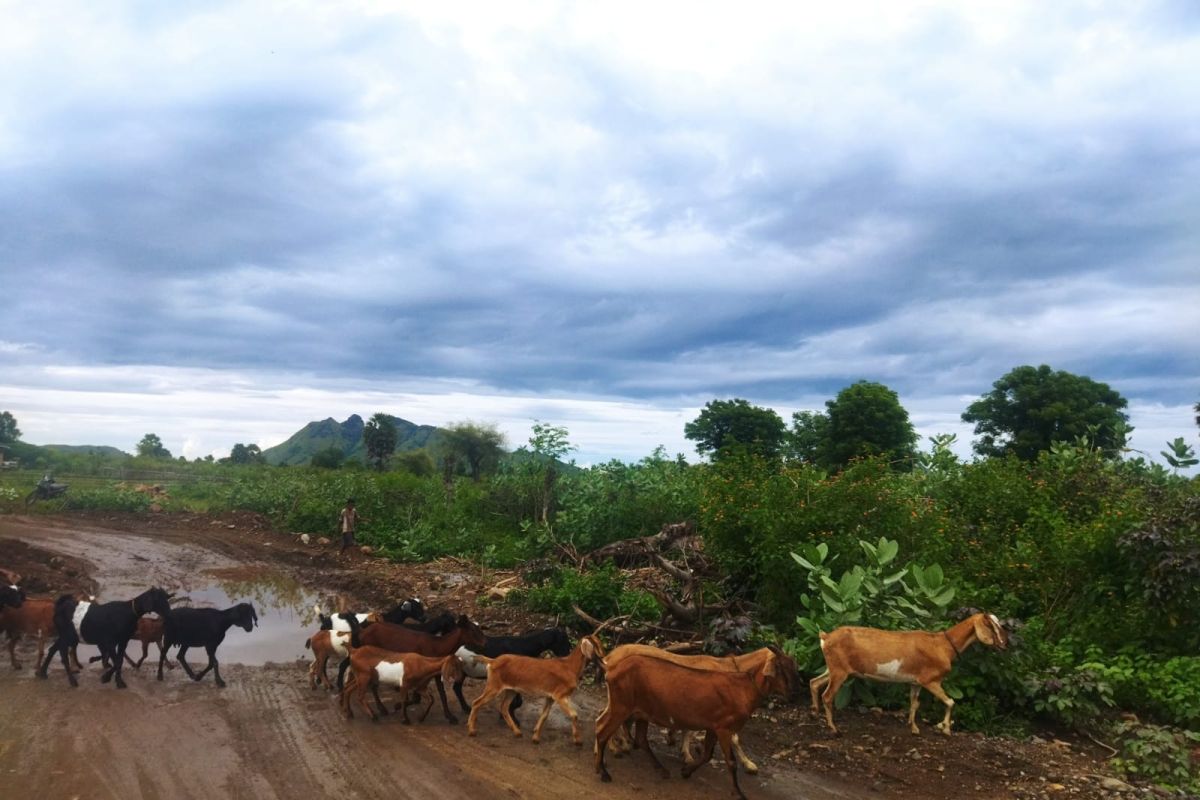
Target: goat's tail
{"points": [[308, 644]]}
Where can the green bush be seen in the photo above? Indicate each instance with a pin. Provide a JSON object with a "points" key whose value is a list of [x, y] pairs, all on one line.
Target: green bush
{"points": [[600, 592]]}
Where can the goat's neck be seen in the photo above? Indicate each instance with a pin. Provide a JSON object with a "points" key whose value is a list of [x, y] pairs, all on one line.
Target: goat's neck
{"points": [[576, 661], [961, 636]]}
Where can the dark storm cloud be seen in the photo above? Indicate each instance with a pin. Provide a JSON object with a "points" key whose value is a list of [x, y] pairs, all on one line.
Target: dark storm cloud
{"points": [[538, 211]]}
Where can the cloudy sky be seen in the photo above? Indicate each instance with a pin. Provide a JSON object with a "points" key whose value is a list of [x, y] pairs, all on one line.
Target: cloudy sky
{"points": [[219, 221]]}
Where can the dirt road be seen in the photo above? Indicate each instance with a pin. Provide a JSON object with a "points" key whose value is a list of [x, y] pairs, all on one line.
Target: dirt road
{"points": [[267, 735]]}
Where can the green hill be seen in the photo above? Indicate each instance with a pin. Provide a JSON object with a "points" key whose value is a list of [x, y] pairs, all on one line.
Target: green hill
{"points": [[88, 450], [346, 436]]}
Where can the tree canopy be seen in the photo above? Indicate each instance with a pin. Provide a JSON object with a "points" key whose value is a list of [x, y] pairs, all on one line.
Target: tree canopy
{"points": [[9, 432], [379, 437], [866, 419], [152, 447], [476, 446], [328, 458], [1031, 407], [727, 425], [245, 454]]}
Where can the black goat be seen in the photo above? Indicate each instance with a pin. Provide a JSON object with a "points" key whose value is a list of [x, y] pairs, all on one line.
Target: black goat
{"points": [[202, 627], [109, 626], [409, 609], [531, 644], [443, 623], [11, 596]]}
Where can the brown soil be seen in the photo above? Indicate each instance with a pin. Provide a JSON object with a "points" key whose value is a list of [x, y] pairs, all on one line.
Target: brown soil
{"points": [[267, 735]]}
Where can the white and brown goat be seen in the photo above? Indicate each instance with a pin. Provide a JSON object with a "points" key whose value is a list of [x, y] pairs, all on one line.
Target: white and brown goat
{"points": [[408, 673], [920, 658]]}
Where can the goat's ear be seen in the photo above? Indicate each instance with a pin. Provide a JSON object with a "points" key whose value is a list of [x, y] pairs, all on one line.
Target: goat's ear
{"points": [[769, 667], [983, 631], [585, 647]]}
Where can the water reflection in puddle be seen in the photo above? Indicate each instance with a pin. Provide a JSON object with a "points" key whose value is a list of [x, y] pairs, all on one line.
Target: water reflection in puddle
{"points": [[285, 613]]}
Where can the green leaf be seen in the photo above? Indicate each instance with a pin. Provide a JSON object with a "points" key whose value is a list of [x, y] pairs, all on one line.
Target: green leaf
{"points": [[890, 579], [888, 550], [934, 576], [833, 603], [804, 563]]}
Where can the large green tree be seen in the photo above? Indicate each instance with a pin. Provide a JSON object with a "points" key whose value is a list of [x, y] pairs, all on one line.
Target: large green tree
{"points": [[379, 437], [1032, 407], [152, 447], [728, 425], [245, 454], [477, 447], [866, 419], [808, 436], [9, 432], [328, 458]]}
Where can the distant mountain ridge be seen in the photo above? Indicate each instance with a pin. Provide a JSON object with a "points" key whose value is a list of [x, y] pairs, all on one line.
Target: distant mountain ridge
{"points": [[346, 436], [89, 449]]}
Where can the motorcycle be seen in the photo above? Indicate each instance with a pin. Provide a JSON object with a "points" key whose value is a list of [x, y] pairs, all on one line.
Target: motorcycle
{"points": [[46, 489]]}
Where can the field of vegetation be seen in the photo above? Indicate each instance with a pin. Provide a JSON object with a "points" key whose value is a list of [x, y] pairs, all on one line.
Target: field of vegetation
{"points": [[1091, 558]]}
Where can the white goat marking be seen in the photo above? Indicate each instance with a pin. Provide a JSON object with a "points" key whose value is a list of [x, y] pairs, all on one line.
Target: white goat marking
{"points": [[890, 671], [338, 641], [472, 666], [77, 619], [390, 673]]}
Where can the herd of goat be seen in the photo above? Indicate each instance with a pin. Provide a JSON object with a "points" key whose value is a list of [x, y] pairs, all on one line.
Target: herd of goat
{"points": [[403, 650]]}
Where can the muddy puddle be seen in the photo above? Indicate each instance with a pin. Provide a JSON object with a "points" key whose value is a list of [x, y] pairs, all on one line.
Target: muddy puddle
{"points": [[285, 613]]}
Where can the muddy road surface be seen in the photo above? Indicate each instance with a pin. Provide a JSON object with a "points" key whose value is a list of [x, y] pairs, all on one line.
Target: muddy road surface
{"points": [[267, 735]]}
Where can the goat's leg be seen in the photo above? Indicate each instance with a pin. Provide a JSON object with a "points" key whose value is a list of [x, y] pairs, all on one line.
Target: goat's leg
{"points": [[935, 689], [342, 667], [706, 753], [458, 692], [489, 692], [75, 659], [361, 694], [726, 740], [441, 687], [685, 748], [914, 700], [565, 704], [344, 697], [118, 655], [162, 651], [162, 659], [378, 702], [13, 638], [831, 689], [322, 677], [212, 657], [137, 664], [640, 727], [541, 720], [505, 704], [428, 705], [183, 648], [750, 767], [607, 724], [814, 688], [216, 667]]}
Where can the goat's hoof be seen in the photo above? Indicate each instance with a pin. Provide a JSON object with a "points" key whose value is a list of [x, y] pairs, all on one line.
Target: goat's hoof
{"points": [[470, 732], [41, 675], [452, 720], [220, 684], [121, 685], [605, 777], [579, 742], [752, 769]]}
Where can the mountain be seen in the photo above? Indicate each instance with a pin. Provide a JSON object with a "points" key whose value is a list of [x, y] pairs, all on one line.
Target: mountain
{"points": [[346, 436]]}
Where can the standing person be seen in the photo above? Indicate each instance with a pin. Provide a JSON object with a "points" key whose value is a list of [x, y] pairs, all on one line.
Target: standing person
{"points": [[348, 521]]}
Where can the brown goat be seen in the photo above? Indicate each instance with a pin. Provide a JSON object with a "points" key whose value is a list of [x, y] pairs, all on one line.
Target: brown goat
{"points": [[747, 663], [35, 617], [652, 690], [919, 658], [552, 678], [325, 644], [407, 672]]}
